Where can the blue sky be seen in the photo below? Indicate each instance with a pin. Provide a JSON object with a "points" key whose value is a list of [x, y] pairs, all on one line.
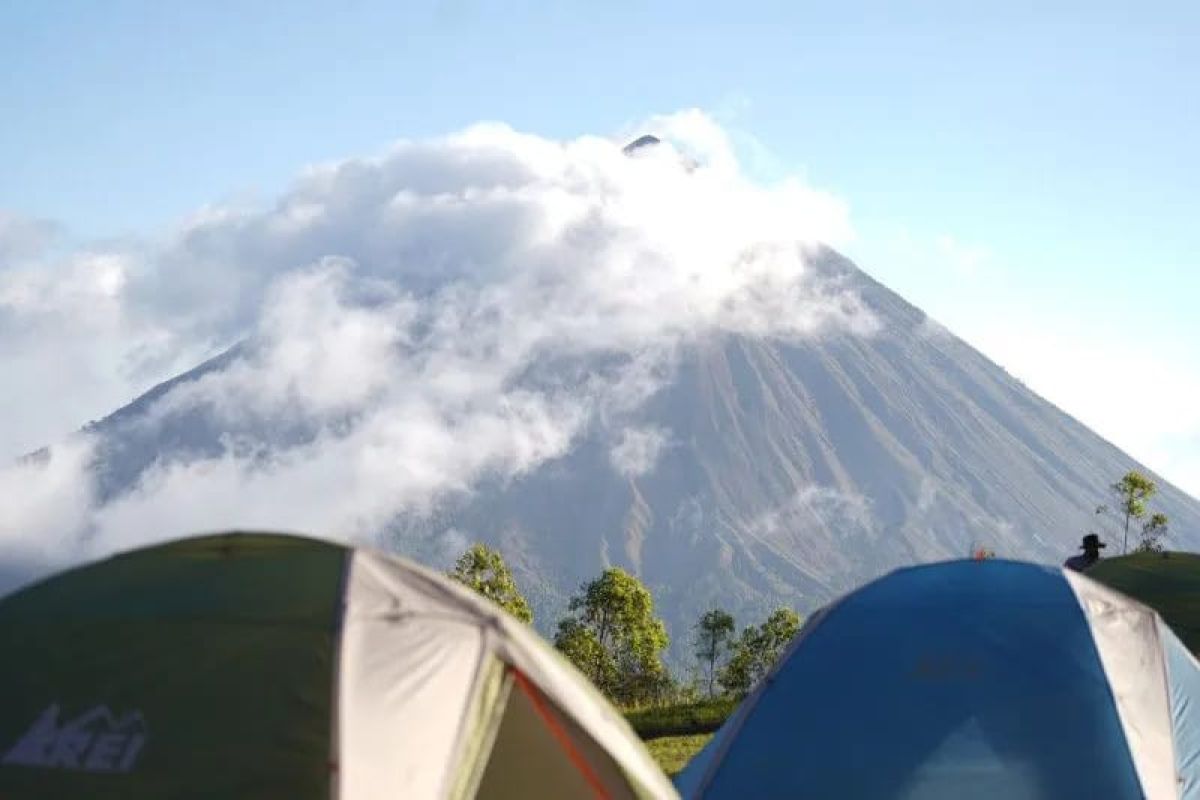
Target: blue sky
{"points": [[1024, 175]]}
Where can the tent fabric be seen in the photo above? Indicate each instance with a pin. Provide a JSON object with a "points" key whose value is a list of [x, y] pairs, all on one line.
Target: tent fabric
{"points": [[405, 656], [383, 590], [1183, 676], [982, 679], [134, 676], [1127, 640], [256, 665]]}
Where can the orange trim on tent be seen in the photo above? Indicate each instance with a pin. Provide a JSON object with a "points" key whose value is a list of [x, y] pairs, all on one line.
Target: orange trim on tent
{"points": [[564, 739]]}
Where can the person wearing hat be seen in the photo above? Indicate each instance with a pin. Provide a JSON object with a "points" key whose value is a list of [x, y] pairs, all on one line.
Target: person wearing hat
{"points": [[1090, 555]]}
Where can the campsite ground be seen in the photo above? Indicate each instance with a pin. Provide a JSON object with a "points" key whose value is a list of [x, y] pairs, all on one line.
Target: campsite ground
{"points": [[674, 752], [704, 716], [674, 734]]}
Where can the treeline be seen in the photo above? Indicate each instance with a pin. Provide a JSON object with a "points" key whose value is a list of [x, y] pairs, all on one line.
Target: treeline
{"points": [[612, 635]]}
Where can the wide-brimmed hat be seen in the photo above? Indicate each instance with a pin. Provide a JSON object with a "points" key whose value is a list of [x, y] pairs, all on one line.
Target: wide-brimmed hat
{"points": [[1091, 539]]}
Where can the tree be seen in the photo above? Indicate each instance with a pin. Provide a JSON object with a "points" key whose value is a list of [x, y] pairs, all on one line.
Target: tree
{"points": [[757, 650], [582, 647], [739, 674], [714, 633], [483, 569], [1132, 495], [1152, 531], [613, 637]]}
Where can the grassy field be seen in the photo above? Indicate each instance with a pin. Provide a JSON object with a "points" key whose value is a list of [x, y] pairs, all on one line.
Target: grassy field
{"points": [[1167, 582], [673, 734], [685, 719], [673, 752]]}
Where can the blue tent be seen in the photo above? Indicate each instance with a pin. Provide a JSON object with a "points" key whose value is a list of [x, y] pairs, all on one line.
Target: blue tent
{"points": [[970, 679]]}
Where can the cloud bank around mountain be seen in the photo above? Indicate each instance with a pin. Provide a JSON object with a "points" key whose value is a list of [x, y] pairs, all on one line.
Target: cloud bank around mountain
{"points": [[453, 310]]}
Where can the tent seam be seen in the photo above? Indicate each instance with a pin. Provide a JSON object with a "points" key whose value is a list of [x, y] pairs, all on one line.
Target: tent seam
{"points": [[469, 709], [561, 736]]}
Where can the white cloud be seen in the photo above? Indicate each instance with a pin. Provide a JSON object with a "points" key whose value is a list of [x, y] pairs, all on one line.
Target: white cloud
{"points": [[453, 310], [73, 344], [637, 452], [46, 504], [826, 506]]}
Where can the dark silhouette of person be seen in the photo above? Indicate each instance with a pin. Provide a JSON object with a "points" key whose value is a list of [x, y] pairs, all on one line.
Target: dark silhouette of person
{"points": [[1090, 555]]}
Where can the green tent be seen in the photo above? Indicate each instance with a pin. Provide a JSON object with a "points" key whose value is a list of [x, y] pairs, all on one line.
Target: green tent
{"points": [[257, 665]]}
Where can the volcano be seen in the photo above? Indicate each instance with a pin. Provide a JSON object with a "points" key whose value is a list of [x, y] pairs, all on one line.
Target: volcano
{"points": [[783, 473]]}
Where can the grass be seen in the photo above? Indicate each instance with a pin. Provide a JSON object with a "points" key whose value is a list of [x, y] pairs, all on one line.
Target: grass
{"points": [[1167, 582], [674, 752], [673, 734], [704, 716]]}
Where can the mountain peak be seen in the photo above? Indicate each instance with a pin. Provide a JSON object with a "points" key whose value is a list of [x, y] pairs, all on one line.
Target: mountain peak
{"points": [[641, 143]]}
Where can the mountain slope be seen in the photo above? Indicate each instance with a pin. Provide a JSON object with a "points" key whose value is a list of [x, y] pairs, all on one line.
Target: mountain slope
{"points": [[764, 472]]}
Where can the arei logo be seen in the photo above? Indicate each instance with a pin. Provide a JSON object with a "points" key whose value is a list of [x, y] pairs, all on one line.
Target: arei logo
{"points": [[95, 741]]}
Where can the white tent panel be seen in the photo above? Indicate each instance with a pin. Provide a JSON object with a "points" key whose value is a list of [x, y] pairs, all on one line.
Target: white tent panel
{"points": [[406, 678], [415, 649], [1127, 640]]}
